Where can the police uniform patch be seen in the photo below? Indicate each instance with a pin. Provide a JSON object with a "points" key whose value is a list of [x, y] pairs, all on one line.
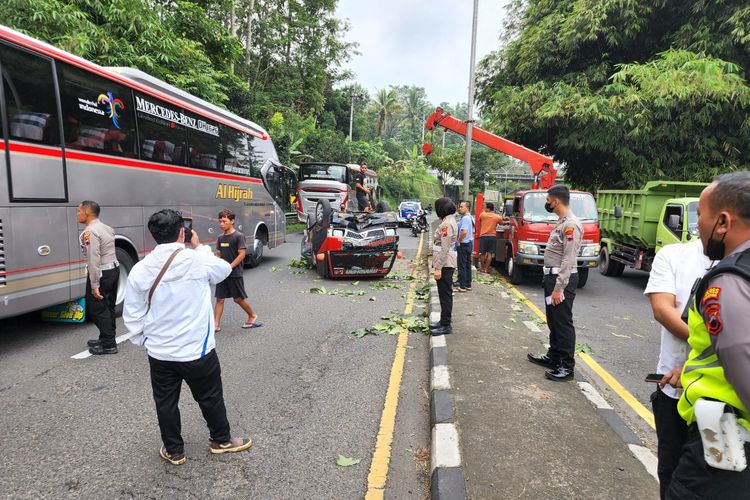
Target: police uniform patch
{"points": [[445, 230], [569, 232], [712, 293], [713, 318], [86, 237]]}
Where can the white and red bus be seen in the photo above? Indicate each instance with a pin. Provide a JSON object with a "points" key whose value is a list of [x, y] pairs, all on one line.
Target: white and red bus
{"points": [[73, 130]]}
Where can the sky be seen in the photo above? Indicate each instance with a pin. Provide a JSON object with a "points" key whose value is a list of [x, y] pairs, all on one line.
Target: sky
{"points": [[426, 43]]}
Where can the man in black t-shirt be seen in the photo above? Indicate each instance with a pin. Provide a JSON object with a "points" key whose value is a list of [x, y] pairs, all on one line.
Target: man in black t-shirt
{"points": [[363, 193], [230, 246]]}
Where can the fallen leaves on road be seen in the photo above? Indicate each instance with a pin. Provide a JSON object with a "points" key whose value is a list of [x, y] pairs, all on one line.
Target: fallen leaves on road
{"points": [[344, 293], [400, 277], [584, 348], [300, 264], [393, 325], [344, 461], [275, 269], [384, 286]]}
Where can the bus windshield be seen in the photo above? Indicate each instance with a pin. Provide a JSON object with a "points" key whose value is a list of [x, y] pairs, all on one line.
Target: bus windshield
{"points": [[311, 171], [581, 204]]}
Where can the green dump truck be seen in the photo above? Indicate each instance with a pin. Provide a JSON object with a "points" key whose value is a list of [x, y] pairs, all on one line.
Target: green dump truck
{"points": [[635, 224]]}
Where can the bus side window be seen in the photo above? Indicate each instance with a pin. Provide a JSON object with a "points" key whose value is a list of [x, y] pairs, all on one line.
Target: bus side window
{"points": [[98, 114], [162, 138], [235, 155], [30, 97], [259, 153], [204, 144]]}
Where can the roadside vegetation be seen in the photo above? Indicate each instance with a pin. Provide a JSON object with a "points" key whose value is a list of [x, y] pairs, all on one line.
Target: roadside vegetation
{"points": [[618, 93]]}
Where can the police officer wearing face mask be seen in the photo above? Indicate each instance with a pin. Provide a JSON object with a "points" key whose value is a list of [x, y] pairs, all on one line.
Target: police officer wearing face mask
{"points": [[716, 376], [560, 283]]}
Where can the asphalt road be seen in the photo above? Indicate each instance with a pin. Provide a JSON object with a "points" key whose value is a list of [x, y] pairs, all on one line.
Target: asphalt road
{"points": [[300, 386], [614, 318]]}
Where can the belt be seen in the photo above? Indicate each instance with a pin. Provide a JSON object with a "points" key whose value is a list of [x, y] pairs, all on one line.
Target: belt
{"points": [[556, 270], [111, 265]]}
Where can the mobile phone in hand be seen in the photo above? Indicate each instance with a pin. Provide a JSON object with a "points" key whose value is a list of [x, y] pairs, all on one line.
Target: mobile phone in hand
{"points": [[654, 377], [187, 223]]}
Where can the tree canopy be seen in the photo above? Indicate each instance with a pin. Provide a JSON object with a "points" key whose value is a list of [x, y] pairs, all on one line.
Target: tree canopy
{"points": [[624, 92]]}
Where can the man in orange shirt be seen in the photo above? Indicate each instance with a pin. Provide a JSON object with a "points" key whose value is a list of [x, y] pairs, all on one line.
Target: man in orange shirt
{"points": [[487, 223]]}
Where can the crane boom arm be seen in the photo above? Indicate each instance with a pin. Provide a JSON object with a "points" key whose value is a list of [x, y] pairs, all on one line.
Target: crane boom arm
{"points": [[541, 165]]}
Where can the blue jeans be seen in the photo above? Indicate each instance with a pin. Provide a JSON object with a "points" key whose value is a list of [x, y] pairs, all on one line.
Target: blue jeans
{"points": [[464, 265]]}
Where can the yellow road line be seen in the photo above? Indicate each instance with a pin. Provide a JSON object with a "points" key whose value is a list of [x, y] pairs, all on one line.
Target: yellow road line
{"points": [[636, 405], [611, 381], [381, 458]]}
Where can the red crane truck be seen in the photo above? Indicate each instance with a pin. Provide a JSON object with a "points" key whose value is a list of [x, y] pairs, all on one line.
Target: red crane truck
{"points": [[522, 238]]}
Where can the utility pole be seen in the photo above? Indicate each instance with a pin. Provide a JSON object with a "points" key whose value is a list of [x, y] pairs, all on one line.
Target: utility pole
{"points": [[351, 118], [470, 120]]}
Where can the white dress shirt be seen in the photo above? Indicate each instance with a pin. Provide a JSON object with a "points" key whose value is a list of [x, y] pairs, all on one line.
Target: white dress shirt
{"points": [[674, 270], [180, 324]]}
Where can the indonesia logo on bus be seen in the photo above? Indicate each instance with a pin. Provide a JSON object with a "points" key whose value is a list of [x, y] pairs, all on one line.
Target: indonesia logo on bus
{"points": [[113, 104]]}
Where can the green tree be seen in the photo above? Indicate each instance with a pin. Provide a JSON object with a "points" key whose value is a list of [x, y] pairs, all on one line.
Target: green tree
{"points": [[624, 92], [386, 105]]}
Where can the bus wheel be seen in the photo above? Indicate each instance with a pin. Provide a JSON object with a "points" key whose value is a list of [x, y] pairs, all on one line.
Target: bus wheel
{"points": [[126, 264], [257, 256]]}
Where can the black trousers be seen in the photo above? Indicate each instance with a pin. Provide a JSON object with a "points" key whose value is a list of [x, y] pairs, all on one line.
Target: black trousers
{"points": [[693, 479], [562, 333], [102, 312], [464, 265], [445, 292], [203, 376], [671, 431]]}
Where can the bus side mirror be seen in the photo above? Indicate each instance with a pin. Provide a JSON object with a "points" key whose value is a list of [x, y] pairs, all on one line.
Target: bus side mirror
{"points": [[618, 211]]}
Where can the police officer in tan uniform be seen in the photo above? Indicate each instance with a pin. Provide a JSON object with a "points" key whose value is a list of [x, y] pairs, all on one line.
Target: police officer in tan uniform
{"points": [[98, 246], [560, 282], [444, 263]]}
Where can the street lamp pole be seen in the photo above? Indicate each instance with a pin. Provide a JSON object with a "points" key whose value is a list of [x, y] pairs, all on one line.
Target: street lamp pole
{"points": [[470, 120]]}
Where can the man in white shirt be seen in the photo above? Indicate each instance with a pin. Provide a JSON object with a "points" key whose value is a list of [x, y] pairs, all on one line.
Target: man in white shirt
{"points": [[174, 321], [674, 271]]}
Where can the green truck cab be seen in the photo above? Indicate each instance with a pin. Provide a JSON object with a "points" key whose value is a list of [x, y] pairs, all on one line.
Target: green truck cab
{"points": [[635, 224]]}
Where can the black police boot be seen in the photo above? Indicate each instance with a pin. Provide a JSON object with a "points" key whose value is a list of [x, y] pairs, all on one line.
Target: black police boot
{"points": [[543, 360], [441, 330], [560, 374], [100, 349], [93, 342]]}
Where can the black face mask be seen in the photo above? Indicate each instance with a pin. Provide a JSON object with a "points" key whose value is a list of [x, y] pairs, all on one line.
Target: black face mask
{"points": [[715, 249], [548, 207]]}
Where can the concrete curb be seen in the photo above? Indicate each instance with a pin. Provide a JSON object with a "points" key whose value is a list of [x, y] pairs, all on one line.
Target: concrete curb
{"points": [[447, 478]]}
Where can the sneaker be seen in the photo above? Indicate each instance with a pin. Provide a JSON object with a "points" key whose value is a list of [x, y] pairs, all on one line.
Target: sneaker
{"points": [[468, 288], [234, 445], [172, 458], [100, 349]]}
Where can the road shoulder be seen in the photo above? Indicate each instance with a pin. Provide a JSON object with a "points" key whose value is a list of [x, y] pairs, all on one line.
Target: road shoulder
{"points": [[520, 434]]}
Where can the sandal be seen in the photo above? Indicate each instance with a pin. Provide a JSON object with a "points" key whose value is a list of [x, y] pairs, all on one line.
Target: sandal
{"points": [[252, 325]]}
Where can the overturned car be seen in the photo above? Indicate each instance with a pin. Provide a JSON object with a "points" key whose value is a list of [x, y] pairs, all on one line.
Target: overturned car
{"points": [[342, 244]]}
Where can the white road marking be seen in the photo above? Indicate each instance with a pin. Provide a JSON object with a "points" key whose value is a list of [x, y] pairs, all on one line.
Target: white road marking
{"points": [[593, 395], [647, 458], [438, 341], [85, 354], [440, 380], [445, 452], [531, 326]]}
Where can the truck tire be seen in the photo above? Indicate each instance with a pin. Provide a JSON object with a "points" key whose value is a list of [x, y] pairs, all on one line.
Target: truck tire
{"points": [[607, 266], [256, 255], [513, 270], [583, 276], [126, 264]]}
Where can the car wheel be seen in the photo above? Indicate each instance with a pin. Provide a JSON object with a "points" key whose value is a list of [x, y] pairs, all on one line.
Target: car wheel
{"points": [[514, 271], [323, 214], [126, 264]]}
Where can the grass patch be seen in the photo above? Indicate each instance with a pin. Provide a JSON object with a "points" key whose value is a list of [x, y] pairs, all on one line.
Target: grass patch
{"points": [[295, 227]]}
